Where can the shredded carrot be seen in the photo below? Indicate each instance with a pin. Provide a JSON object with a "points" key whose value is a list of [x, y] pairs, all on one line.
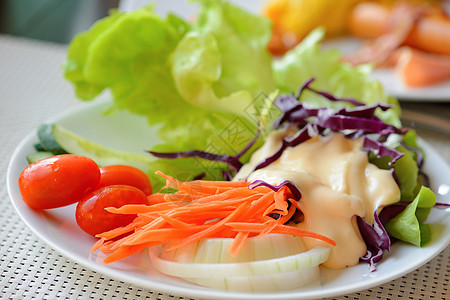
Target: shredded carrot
{"points": [[173, 221], [140, 208], [238, 243], [156, 198], [278, 228], [284, 218], [198, 210]]}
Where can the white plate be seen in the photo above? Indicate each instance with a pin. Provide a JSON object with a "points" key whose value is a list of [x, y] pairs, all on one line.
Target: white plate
{"points": [[58, 227], [391, 82]]}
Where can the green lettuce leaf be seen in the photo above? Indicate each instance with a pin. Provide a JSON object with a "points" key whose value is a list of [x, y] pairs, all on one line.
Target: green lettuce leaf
{"points": [[202, 84], [223, 63], [406, 171], [409, 226], [308, 60]]}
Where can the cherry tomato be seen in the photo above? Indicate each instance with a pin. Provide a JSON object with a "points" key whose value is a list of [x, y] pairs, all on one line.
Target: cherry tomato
{"points": [[91, 215], [125, 175], [58, 181]]}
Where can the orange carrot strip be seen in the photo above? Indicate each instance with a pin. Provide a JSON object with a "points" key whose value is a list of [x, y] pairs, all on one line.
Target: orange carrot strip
{"points": [[294, 203], [210, 230], [121, 230], [156, 223], [280, 199], [140, 208], [285, 218], [170, 181], [269, 227], [238, 243], [234, 193], [284, 229], [176, 184], [270, 209], [259, 206], [225, 184], [174, 222], [163, 234], [207, 188], [155, 198], [181, 198], [98, 244], [107, 247]]}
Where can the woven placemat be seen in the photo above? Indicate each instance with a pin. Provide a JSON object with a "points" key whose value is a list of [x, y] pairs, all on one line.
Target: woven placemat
{"points": [[31, 90]]}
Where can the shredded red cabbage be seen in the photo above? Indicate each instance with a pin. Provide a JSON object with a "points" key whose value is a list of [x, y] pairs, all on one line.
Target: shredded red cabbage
{"points": [[330, 119], [326, 94], [227, 175], [367, 111], [356, 122], [376, 238], [199, 176], [381, 150], [293, 111], [231, 160], [390, 211], [442, 205], [301, 136], [296, 194]]}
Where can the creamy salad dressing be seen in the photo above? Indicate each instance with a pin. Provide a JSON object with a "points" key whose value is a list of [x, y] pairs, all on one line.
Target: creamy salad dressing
{"points": [[337, 183]]}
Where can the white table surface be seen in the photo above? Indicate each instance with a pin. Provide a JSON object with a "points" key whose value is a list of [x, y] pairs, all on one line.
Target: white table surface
{"points": [[32, 89]]}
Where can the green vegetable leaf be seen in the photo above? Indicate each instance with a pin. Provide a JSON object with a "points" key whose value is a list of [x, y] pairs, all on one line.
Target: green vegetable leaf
{"points": [[406, 171], [409, 226], [223, 63], [197, 82]]}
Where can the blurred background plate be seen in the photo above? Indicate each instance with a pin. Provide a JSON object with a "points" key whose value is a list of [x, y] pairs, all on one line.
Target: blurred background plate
{"points": [[391, 82]]}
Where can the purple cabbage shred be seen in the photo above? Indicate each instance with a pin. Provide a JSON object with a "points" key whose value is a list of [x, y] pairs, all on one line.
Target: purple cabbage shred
{"points": [[377, 240], [306, 86], [291, 186], [380, 150], [231, 160]]}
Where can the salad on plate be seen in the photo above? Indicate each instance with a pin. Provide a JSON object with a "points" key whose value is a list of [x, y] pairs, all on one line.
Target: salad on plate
{"points": [[266, 167]]}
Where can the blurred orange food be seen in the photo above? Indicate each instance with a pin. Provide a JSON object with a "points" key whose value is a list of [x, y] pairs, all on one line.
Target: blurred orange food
{"points": [[410, 36], [388, 26], [294, 19], [430, 30]]}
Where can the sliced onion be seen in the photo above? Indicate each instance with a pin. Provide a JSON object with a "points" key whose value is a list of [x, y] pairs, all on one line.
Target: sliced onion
{"points": [[261, 283], [215, 250], [300, 261]]}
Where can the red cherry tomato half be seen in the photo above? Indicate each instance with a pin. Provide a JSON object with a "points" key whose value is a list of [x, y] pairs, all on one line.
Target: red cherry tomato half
{"points": [[91, 215], [58, 181], [125, 175]]}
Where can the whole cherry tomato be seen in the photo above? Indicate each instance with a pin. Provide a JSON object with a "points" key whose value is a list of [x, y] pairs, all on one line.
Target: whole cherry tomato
{"points": [[125, 175], [91, 215], [58, 181]]}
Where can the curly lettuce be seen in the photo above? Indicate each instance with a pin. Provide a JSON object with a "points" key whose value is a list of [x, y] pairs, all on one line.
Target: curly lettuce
{"points": [[200, 83]]}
